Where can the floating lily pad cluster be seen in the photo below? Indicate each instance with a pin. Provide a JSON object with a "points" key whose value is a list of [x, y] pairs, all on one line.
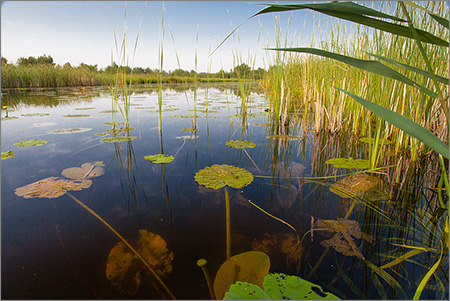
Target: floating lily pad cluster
{"points": [[239, 144], [54, 187], [32, 142]]}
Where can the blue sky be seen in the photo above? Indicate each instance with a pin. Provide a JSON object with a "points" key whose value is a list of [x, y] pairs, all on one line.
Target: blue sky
{"points": [[82, 31]]}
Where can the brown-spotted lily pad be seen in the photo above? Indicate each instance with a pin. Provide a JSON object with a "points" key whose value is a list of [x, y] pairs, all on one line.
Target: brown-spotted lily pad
{"points": [[367, 187], [124, 269], [249, 267], [240, 144], [342, 241], [52, 187], [69, 131], [217, 176], [86, 171], [32, 142]]}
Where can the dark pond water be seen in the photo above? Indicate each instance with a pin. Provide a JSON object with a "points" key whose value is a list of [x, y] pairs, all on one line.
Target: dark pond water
{"points": [[52, 248]]}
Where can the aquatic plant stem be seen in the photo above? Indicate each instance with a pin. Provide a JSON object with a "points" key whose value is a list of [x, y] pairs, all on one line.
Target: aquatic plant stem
{"points": [[228, 218], [126, 243], [202, 264]]}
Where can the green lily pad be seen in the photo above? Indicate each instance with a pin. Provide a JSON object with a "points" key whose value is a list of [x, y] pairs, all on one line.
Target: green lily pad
{"points": [[109, 111], [278, 286], [189, 130], [32, 142], [69, 131], [240, 144], [114, 123], [76, 115], [217, 176], [35, 114], [117, 139], [7, 155], [81, 109], [349, 163], [52, 187], [250, 267], [159, 158], [367, 187]]}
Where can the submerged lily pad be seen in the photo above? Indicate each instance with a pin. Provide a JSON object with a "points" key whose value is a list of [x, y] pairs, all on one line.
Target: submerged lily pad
{"points": [[217, 176], [342, 241], [124, 269], [368, 187], [69, 131], [7, 155], [117, 139], [250, 267], [52, 187], [32, 142], [86, 171], [159, 158], [349, 163], [76, 115], [240, 144], [284, 245]]}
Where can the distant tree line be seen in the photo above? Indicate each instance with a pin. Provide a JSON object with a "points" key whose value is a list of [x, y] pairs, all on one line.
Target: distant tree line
{"points": [[242, 71]]}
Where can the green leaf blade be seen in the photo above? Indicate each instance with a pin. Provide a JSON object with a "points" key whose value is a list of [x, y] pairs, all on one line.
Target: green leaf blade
{"points": [[403, 123]]}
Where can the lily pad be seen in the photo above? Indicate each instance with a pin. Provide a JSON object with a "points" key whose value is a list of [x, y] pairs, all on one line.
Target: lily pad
{"points": [[240, 144], [250, 267], [342, 241], [86, 171], [217, 176], [159, 158], [117, 139], [76, 115], [81, 109], [69, 131], [124, 269], [52, 187], [367, 187], [119, 130], [349, 163], [109, 111], [284, 245], [7, 155], [35, 114], [32, 142], [115, 123], [189, 130], [279, 286]]}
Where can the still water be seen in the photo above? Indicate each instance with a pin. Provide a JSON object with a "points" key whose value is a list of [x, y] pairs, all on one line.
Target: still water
{"points": [[52, 248]]}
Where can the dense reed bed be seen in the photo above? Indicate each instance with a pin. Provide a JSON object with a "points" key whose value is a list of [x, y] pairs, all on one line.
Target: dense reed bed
{"points": [[306, 83]]}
